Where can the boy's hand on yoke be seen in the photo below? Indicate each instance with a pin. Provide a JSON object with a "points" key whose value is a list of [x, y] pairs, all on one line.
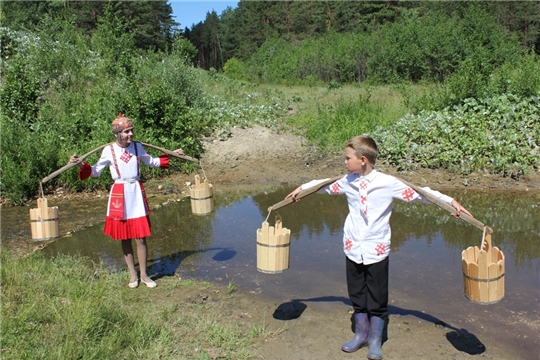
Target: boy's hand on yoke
{"points": [[459, 208], [293, 194]]}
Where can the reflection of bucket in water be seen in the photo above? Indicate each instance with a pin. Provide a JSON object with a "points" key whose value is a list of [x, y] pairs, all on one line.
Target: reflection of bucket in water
{"points": [[483, 272], [202, 197], [273, 248], [44, 221]]}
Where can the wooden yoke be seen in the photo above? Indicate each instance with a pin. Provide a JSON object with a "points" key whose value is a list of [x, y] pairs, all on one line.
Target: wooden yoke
{"points": [[172, 153], [304, 193], [448, 207], [81, 159], [70, 165]]}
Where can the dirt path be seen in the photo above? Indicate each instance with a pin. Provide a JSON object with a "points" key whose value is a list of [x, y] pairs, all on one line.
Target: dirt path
{"points": [[257, 157]]}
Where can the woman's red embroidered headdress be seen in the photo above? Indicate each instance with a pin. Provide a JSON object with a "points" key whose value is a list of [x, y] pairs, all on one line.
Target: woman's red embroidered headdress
{"points": [[121, 123]]}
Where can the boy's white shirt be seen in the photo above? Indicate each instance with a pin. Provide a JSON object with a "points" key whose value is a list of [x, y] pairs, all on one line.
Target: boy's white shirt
{"points": [[366, 233]]}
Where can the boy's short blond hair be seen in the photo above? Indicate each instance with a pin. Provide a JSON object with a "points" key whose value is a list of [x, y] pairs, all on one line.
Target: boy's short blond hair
{"points": [[364, 145]]}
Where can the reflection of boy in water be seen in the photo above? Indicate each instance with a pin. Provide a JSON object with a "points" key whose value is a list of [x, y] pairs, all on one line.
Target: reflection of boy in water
{"points": [[366, 237], [128, 212]]}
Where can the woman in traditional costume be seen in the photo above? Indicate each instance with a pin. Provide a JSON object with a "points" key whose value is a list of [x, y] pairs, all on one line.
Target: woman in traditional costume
{"points": [[127, 211]]}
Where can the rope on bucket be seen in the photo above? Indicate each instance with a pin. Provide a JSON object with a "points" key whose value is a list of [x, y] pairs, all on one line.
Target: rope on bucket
{"points": [[202, 168]]}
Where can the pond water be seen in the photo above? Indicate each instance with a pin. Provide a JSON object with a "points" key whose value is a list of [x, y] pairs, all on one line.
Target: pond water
{"points": [[425, 262]]}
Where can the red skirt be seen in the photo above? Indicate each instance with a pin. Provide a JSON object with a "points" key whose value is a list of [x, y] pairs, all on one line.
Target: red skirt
{"points": [[127, 229]]}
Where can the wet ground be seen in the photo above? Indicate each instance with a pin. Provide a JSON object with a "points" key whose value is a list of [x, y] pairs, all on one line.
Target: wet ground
{"points": [[426, 281]]}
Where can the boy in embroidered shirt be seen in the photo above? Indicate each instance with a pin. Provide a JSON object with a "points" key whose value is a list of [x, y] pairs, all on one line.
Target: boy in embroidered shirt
{"points": [[128, 211], [366, 237]]}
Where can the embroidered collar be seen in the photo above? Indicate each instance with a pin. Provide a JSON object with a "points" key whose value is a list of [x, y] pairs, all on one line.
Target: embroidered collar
{"points": [[369, 177]]}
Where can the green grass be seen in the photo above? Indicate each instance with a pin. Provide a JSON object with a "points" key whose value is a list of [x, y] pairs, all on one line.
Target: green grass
{"points": [[327, 116], [70, 308]]}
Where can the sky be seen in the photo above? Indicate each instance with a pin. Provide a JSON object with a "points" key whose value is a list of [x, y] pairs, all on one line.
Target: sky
{"points": [[190, 12]]}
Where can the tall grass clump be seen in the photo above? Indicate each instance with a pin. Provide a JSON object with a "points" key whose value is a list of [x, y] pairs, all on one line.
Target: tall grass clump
{"points": [[68, 308], [335, 116]]}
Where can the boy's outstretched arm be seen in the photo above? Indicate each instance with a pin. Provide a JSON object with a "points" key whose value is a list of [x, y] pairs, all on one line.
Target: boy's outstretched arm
{"points": [[459, 208]]}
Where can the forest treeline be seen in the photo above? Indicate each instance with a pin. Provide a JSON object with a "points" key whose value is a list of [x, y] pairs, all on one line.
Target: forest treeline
{"points": [[68, 67], [304, 42], [151, 22], [240, 32]]}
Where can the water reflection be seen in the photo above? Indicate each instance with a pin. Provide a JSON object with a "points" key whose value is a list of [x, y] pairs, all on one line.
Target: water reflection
{"points": [[425, 263]]}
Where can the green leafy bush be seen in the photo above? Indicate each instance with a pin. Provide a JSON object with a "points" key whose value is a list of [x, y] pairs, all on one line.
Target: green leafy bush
{"points": [[498, 135], [61, 91]]}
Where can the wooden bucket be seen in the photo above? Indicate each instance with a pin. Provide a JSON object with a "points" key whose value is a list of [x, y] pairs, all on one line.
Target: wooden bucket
{"points": [[202, 197], [44, 221], [483, 272], [273, 248]]}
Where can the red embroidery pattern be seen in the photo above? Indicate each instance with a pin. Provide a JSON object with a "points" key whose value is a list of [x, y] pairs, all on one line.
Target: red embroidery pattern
{"points": [[335, 188], [380, 249], [363, 185], [348, 245], [363, 199], [408, 194], [125, 157]]}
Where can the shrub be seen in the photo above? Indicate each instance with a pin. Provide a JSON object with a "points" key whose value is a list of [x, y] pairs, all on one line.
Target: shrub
{"points": [[233, 69]]}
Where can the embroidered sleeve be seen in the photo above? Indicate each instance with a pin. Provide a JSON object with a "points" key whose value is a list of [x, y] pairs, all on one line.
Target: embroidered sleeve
{"points": [[334, 188], [85, 171], [405, 193]]}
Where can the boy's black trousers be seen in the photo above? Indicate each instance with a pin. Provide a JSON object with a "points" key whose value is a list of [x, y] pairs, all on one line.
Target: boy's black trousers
{"points": [[368, 287]]}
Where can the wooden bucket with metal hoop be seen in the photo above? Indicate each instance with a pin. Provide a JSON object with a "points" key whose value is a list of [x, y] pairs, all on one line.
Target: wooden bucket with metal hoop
{"points": [[483, 271], [44, 221], [273, 247], [202, 197]]}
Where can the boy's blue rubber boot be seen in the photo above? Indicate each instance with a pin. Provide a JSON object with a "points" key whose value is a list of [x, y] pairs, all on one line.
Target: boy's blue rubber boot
{"points": [[375, 338], [360, 333]]}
